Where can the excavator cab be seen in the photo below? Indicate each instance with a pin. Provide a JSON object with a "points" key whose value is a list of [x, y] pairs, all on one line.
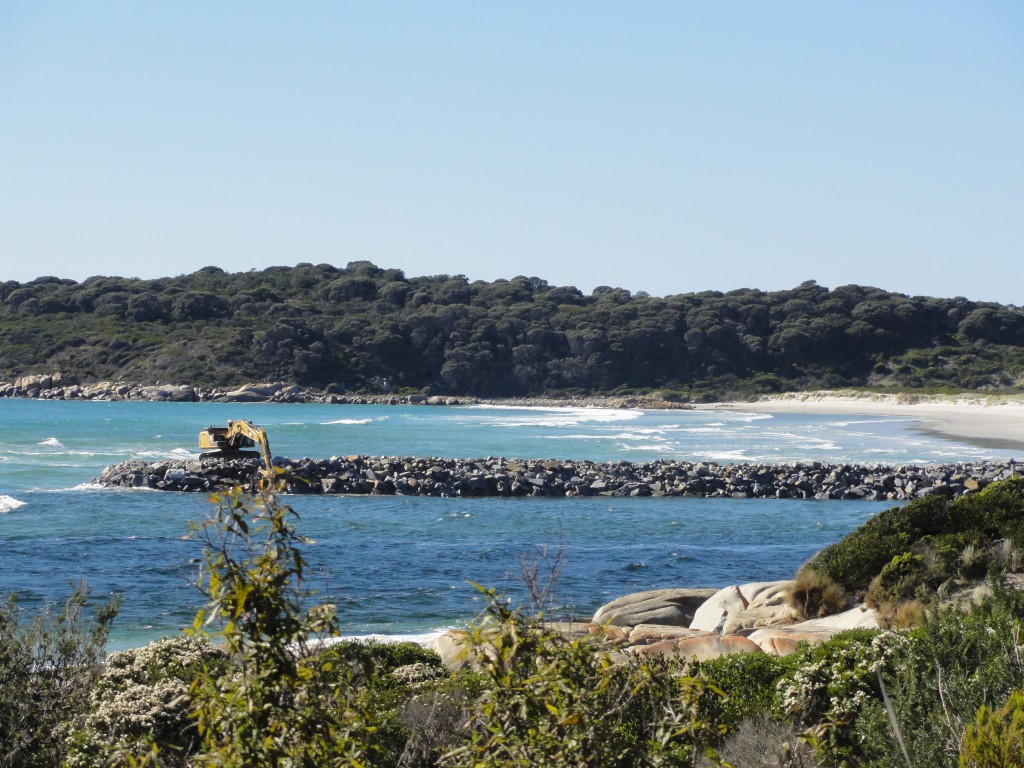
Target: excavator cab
{"points": [[231, 442]]}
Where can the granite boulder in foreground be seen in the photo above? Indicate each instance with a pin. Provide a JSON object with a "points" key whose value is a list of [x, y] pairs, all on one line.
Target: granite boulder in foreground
{"points": [[747, 618], [408, 476]]}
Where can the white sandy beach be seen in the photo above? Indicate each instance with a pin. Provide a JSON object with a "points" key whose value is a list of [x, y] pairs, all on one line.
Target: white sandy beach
{"points": [[991, 421]]}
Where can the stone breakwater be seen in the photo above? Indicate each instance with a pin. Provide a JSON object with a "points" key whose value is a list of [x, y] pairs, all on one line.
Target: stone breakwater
{"points": [[515, 477]]}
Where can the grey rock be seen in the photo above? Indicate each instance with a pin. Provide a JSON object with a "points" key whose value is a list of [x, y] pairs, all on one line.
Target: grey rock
{"points": [[671, 607]]}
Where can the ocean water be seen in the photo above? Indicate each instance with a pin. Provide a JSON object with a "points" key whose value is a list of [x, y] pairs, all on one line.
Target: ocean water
{"points": [[407, 566]]}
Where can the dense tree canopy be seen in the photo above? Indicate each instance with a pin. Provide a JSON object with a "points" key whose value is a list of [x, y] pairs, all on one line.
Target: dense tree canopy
{"points": [[367, 328]]}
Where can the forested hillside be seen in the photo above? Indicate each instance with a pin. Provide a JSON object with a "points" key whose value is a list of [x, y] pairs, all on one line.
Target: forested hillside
{"points": [[366, 328]]}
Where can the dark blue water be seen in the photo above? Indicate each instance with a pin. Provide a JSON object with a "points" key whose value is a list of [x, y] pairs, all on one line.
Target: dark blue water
{"points": [[400, 565]]}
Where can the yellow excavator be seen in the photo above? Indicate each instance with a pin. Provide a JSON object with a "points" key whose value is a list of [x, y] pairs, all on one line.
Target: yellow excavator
{"points": [[231, 441]]}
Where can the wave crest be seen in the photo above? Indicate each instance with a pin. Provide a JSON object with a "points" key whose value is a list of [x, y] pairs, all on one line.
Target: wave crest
{"points": [[8, 503]]}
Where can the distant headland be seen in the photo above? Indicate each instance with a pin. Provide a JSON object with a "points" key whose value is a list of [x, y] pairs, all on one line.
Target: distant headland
{"points": [[368, 332]]}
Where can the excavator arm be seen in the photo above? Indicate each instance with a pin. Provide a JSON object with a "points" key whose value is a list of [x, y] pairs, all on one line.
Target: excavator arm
{"points": [[233, 440]]}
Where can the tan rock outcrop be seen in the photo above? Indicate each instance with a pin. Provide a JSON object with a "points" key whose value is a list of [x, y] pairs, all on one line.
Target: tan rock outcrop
{"points": [[783, 640], [646, 634], [669, 607], [702, 647], [739, 607]]}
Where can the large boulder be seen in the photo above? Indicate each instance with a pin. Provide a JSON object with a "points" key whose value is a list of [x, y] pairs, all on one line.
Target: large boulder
{"points": [[711, 615], [34, 383], [646, 634], [766, 607], [572, 630], [783, 640], [250, 393], [175, 393], [765, 600], [457, 652], [671, 607], [99, 390], [701, 647]]}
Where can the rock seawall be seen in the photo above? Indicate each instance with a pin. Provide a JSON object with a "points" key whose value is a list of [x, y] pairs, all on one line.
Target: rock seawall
{"points": [[515, 477]]}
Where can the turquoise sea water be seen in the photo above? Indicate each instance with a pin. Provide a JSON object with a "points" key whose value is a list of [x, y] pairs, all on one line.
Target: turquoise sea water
{"points": [[403, 566]]}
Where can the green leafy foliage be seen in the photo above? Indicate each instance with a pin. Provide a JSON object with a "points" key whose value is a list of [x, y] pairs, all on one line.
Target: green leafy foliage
{"points": [[284, 703], [365, 328], [141, 699], [831, 685], [996, 738], [273, 693], [750, 682], [938, 677], [927, 529], [49, 663], [555, 701], [900, 579]]}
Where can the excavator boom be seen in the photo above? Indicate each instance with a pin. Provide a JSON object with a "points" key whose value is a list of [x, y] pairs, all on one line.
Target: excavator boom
{"points": [[232, 440]]}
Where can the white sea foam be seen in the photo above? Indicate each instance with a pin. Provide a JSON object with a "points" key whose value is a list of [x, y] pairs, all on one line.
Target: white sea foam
{"points": [[732, 456], [858, 422], [97, 487], [639, 434], [83, 487], [642, 447], [8, 503], [522, 416], [52, 442], [174, 453], [345, 421], [749, 416], [420, 638]]}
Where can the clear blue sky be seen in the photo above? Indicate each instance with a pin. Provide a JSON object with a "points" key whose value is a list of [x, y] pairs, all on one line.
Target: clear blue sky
{"points": [[658, 146]]}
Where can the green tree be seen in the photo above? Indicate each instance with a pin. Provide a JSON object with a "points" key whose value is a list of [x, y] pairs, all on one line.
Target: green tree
{"points": [[283, 703]]}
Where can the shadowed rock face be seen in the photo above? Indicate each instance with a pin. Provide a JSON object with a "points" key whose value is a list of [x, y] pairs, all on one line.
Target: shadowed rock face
{"points": [[504, 477], [662, 607]]}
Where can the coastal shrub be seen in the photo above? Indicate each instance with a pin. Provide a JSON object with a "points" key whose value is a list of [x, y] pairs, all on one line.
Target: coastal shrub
{"points": [[141, 699], [764, 743], [813, 594], [555, 701], [999, 506], [904, 615], [996, 738], [900, 579], [832, 683], [282, 703], [973, 561], [435, 717], [374, 660], [397, 682], [749, 682], [935, 528], [49, 662], [1007, 556], [959, 659], [855, 560]]}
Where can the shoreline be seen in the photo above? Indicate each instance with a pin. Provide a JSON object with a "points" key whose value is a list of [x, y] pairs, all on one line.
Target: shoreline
{"points": [[988, 421], [985, 420]]}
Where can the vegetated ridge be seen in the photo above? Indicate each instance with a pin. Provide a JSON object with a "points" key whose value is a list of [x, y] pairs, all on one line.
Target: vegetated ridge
{"points": [[368, 329]]}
